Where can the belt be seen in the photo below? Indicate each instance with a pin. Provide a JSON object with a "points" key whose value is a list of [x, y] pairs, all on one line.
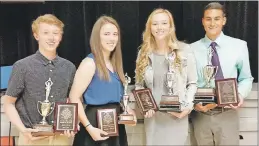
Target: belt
{"points": [[216, 111]]}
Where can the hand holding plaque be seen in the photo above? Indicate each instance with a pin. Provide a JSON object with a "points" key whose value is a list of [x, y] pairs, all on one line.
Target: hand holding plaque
{"points": [[227, 92], [66, 117], [125, 117], [108, 121], [145, 100], [170, 102]]}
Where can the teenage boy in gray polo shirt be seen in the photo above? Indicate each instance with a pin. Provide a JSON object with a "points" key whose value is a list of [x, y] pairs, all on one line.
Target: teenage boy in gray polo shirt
{"points": [[27, 83]]}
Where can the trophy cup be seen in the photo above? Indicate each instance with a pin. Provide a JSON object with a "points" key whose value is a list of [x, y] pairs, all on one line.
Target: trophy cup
{"points": [[206, 94], [45, 108], [170, 102], [125, 117]]}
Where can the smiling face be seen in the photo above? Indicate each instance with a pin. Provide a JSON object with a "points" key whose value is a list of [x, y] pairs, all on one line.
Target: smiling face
{"points": [[109, 37], [160, 26], [48, 37], [213, 22]]}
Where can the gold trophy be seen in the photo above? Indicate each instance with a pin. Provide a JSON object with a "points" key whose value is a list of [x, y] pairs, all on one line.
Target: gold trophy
{"points": [[45, 108], [170, 102], [206, 94], [125, 117]]}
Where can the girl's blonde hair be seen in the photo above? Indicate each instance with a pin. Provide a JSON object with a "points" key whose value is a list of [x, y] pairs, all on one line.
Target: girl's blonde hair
{"points": [[149, 44]]}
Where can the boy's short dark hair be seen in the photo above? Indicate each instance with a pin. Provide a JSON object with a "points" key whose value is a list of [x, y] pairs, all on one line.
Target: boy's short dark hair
{"points": [[215, 5]]}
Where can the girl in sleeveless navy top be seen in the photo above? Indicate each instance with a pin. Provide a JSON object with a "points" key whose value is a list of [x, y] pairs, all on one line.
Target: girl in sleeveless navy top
{"points": [[100, 79]]}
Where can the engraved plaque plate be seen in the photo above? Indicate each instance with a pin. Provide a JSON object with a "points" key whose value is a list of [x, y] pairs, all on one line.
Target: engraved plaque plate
{"points": [[108, 121], [145, 100], [226, 90], [66, 117]]}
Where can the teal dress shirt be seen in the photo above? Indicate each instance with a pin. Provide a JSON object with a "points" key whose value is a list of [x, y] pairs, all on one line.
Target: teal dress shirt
{"points": [[233, 57]]}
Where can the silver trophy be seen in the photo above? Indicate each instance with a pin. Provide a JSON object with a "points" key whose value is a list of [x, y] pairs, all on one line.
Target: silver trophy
{"points": [[209, 71], [45, 108], [206, 94], [125, 117], [170, 102], [170, 75], [125, 95]]}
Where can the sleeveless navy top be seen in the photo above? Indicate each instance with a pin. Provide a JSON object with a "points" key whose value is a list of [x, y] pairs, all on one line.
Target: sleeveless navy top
{"points": [[101, 92]]}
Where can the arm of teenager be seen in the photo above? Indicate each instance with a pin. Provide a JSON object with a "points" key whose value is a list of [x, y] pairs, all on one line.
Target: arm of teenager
{"points": [[245, 78], [192, 77], [15, 88], [69, 133], [191, 85], [12, 114], [82, 79]]}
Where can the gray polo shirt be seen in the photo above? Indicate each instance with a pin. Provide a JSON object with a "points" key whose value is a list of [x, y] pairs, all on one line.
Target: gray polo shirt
{"points": [[27, 83]]}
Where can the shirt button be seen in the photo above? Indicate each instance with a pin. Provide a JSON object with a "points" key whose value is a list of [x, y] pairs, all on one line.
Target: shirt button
{"points": [[50, 70], [49, 61]]}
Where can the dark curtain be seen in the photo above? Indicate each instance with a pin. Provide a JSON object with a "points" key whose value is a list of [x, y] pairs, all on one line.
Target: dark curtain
{"points": [[17, 42]]}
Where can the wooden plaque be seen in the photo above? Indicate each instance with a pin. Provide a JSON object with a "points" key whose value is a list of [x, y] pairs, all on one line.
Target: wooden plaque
{"points": [[66, 117], [226, 91], [108, 121], [145, 100]]}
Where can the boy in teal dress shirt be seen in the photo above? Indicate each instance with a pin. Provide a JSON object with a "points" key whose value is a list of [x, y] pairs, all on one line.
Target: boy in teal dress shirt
{"points": [[220, 126]]}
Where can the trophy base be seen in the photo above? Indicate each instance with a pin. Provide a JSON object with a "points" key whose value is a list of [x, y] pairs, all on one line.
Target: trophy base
{"points": [[44, 130], [205, 95], [170, 103], [126, 119], [169, 99], [205, 92], [170, 108]]}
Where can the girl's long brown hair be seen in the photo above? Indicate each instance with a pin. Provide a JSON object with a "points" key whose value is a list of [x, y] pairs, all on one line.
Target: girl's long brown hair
{"points": [[96, 48]]}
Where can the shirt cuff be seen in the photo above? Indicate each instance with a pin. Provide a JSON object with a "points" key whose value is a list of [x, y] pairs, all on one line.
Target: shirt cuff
{"points": [[187, 105]]}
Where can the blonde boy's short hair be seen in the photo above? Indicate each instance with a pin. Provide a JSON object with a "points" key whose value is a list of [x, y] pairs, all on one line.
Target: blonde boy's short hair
{"points": [[49, 19]]}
